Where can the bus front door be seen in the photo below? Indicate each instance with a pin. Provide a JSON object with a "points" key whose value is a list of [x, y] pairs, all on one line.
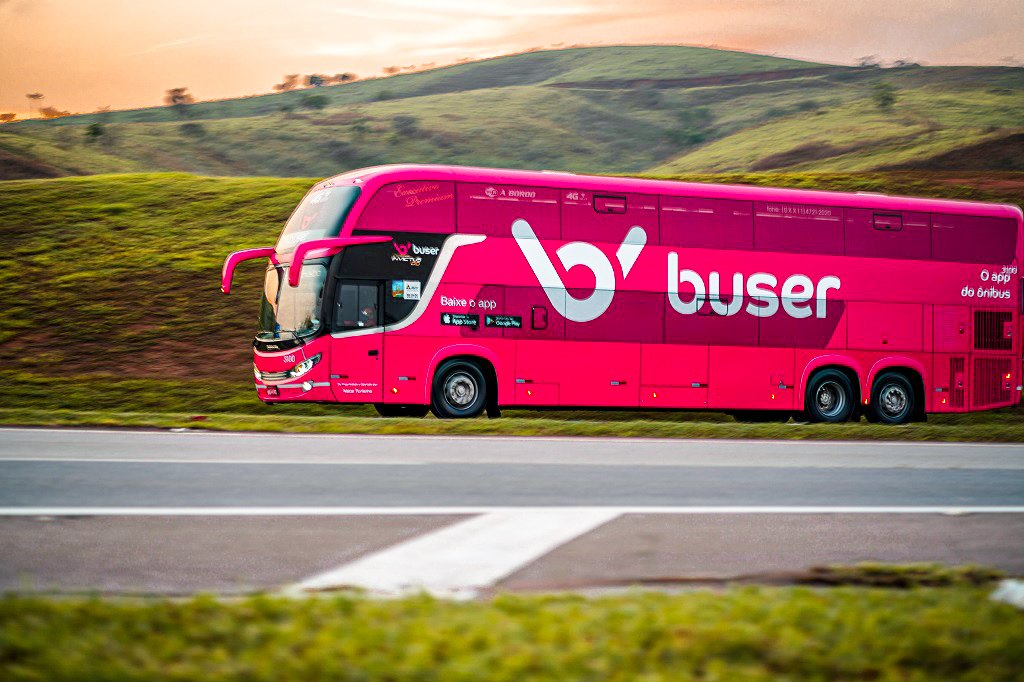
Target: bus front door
{"points": [[356, 354]]}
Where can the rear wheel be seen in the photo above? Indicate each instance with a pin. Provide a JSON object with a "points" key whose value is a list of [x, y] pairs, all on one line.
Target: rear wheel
{"points": [[415, 411], [892, 399], [829, 398], [459, 390]]}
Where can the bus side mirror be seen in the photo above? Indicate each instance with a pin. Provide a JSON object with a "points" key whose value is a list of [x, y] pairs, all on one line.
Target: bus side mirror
{"points": [[232, 261]]}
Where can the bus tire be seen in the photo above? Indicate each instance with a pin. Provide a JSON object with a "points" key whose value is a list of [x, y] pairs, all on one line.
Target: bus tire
{"points": [[892, 399], [829, 398], [459, 390], [412, 411]]}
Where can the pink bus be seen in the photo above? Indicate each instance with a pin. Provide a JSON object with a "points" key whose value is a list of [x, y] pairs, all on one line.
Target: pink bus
{"points": [[464, 290]]}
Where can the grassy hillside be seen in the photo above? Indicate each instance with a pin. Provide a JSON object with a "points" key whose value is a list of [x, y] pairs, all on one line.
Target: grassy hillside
{"points": [[112, 302], [611, 109]]}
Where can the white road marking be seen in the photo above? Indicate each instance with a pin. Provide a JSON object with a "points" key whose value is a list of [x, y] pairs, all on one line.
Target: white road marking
{"points": [[459, 560], [426, 511]]}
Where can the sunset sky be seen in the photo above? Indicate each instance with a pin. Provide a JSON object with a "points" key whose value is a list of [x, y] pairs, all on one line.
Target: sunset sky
{"points": [[84, 54]]}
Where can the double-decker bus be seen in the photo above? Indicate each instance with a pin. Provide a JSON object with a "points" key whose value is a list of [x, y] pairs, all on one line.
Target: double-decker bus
{"points": [[455, 290]]}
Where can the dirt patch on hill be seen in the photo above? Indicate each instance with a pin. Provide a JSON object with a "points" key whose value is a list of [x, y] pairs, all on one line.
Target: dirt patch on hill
{"points": [[1002, 154], [812, 151], [703, 81], [15, 167]]}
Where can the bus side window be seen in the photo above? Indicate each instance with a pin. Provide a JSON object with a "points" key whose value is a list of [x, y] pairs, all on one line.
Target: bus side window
{"points": [[356, 306]]}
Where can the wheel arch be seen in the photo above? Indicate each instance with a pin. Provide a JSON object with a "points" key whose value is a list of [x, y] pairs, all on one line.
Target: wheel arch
{"points": [[845, 364], [913, 370], [486, 359]]}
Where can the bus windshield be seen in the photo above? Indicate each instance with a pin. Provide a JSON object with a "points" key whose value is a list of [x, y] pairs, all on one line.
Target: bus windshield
{"points": [[291, 312], [318, 216]]}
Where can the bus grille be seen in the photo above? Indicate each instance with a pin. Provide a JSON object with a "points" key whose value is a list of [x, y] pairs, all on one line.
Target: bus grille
{"points": [[274, 376], [990, 330], [990, 385], [956, 384]]}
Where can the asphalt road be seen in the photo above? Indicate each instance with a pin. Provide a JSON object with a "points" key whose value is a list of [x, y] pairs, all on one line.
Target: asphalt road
{"points": [[62, 468], [160, 512]]}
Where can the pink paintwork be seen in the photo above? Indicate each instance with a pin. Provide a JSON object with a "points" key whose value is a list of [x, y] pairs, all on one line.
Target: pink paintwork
{"points": [[624, 289], [232, 261]]}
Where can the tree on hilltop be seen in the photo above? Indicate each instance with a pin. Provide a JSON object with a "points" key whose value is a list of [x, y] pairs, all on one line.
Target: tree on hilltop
{"points": [[179, 99], [53, 112], [34, 97], [290, 82]]}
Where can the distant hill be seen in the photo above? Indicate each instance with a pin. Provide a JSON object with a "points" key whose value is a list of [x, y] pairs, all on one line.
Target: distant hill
{"points": [[661, 109]]}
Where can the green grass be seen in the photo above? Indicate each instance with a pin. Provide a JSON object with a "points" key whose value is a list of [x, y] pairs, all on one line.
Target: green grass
{"points": [[113, 306], [505, 112], [291, 419], [856, 135], [748, 634], [902, 575]]}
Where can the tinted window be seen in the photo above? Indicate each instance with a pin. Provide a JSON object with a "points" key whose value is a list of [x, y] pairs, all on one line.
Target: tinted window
{"points": [[356, 306], [973, 239], [882, 234], [318, 216], [798, 228], [706, 223], [406, 256], [491, 209]]}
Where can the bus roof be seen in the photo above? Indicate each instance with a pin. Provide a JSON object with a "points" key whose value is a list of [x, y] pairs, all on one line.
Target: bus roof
{"points": [[375, 176]]}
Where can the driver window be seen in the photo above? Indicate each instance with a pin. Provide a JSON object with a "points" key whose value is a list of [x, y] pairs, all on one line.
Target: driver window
{"points": [[355, 306]]}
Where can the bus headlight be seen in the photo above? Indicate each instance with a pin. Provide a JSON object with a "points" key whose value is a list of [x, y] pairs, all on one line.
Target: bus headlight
{"points": [[303, 367], [256, 372]]}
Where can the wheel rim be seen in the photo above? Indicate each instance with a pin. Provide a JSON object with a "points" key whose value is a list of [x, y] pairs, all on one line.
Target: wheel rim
{"points": [[460, 390], [830, 399], [893, 400]]}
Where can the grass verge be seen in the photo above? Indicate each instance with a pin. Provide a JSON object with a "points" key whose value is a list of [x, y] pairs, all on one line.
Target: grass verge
{"points": [[741, 633], [555, 425]]}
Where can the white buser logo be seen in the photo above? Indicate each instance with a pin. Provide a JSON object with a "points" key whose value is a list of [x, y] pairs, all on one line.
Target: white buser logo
{"points": [[796, 295], [578, 253], [800, 296]]}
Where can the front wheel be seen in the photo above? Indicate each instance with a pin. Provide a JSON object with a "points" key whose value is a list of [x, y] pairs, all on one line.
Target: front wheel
{"points": [[829, 398], [459, 390], [892, 399], [413, 411]]}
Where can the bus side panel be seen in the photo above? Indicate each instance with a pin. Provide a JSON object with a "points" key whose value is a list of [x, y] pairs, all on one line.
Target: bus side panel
{"points": [[411, 360], [948, 390], [538, 372], [751, 378], [600, 374], [673, 376], [885, 326]]}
